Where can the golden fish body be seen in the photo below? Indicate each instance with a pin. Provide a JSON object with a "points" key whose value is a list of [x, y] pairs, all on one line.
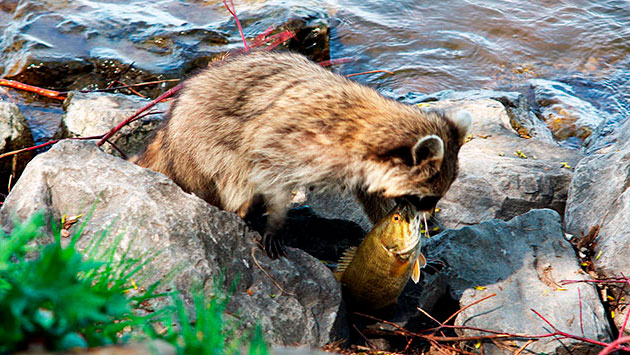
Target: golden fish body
{"points": [[375, 274]]}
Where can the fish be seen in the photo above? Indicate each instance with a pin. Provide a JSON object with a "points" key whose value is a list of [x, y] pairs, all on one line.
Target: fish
{"points": [[374, 274]]}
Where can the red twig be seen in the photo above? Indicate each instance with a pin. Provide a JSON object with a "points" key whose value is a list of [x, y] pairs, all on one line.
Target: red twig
{"points": [[264, 33], [30, 88], [371, 72], [284, 36], [44, 145], [135, 116], [583, 339], [580, 300], [625, 321], [238, 23], [615, 345], [327, 63]]}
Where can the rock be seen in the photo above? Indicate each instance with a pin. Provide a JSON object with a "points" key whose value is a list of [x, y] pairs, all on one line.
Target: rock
{"points": [[502, 174], [14, 135], [564, 111], [295, 299], [522, 119], [151, 347], [523, 262], [69, 46], [599, 196], [94, 114]]}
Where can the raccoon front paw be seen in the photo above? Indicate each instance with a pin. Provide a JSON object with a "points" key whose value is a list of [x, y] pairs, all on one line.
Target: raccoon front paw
{"points": [[273, 245]]}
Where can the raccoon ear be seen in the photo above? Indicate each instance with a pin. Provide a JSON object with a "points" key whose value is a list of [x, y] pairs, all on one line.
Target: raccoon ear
{"points": [[463, 121], [428, 148]]}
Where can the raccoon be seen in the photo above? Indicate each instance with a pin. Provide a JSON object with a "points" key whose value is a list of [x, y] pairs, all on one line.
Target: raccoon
{"points": [[256, 127]]}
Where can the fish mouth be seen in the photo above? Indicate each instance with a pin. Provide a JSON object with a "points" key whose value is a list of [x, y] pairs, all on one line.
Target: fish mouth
{"points": [[414, 231]]}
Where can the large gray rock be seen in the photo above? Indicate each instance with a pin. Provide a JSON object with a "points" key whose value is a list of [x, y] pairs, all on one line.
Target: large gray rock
{"points": [[295, 299], [522, 118], [14, 134], [92, 114], [599, 196], [523, 262], [495, 180]]}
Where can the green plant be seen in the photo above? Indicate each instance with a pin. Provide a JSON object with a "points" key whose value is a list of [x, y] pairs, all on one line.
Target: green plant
{"points": [[60, 298], [211, 332]]}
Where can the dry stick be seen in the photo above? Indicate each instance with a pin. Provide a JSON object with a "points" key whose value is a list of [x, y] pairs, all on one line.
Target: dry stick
{"points": [[238, 23], [520, 350], [129, 85], [567, 335], [30, 88], [371, 72], [468, 306], [120, 75], [282, 290]]}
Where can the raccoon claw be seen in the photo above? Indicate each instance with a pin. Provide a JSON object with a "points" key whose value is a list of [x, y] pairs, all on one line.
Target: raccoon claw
{"points": [[273, 245]]}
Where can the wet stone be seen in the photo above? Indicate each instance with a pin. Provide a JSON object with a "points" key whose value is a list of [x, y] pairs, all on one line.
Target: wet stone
{"points": [[69, 45]]}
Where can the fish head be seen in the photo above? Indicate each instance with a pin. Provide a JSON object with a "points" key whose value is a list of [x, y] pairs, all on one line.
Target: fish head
{"points": [[400, 232]]}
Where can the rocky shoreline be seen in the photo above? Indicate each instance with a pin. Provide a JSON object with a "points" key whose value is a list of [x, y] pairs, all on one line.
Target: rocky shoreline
{"points": [[525, 214], [517, 241]]}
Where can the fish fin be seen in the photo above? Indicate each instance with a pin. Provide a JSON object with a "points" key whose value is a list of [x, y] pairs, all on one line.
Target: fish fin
{"points": [[420, 262], [344, 261]]}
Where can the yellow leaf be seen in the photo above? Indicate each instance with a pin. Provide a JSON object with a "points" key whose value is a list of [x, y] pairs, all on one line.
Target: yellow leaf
{"points": [[437, 210], [478, 345], [612, 314], [598, 255], [423, 104], [480, 288]]}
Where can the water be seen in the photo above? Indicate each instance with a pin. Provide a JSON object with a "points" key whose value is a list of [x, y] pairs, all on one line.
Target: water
{"points": [[572, 57]]}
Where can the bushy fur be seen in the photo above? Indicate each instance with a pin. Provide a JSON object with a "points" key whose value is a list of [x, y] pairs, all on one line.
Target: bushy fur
{"points": [[263, 124]]}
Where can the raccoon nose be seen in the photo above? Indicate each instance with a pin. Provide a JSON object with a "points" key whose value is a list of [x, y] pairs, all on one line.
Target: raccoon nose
{"points": [[426, 203]]}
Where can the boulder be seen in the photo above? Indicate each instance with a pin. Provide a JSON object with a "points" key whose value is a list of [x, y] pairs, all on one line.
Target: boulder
{"points": [[599, 197], [295, 299], [522, 261], [92, 114], [522, 119], [502, 174], [14, 134]]}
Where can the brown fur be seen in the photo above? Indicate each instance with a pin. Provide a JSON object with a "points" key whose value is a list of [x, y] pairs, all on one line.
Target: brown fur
{"points": [[264, 124]]}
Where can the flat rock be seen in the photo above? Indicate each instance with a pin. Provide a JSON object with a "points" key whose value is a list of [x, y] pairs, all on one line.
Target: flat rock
{"points": [[599, 197], [502, 174], [295, 299], [523, 262], [14, 134], [92, 114]]}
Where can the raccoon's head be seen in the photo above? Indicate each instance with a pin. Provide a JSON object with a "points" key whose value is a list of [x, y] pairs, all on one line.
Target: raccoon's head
{"points": [[430, 165]]}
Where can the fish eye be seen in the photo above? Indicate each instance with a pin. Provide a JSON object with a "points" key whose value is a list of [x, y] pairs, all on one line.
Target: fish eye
{"points": [[396, 217]]}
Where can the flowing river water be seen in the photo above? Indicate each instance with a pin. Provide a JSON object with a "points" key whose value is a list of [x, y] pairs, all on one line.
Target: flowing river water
{"points": [[572, 58]]}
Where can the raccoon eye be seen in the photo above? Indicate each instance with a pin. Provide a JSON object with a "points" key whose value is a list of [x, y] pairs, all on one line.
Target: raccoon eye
{"points": [[396, 218]]}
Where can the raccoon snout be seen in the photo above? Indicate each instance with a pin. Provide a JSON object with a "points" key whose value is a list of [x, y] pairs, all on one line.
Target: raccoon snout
{"points": [[422, 204]]}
